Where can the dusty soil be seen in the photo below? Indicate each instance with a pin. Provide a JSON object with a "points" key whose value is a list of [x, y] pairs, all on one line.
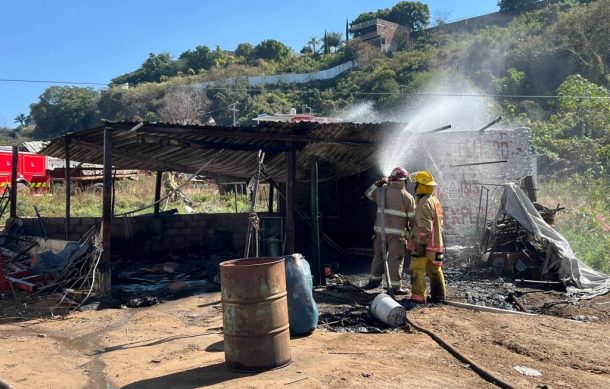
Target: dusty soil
{"points": [[178, 344]]}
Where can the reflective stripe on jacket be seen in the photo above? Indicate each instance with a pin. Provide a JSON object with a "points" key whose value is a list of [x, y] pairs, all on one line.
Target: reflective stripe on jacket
{"points": [[399, 207], [429, 224]]}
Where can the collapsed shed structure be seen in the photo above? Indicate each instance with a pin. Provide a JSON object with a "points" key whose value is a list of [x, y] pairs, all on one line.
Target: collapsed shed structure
{"points": [[342, 155]]}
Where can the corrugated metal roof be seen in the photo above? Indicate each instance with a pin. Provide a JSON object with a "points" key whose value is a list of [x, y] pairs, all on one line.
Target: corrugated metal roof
{"points": [[341, 149], [35, 146]]}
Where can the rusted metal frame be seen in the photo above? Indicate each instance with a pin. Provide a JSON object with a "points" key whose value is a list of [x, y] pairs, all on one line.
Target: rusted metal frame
{"points": [[134, 156], [260, 135], [290, 194], [14, 165], [158, 192], [106, 210], [68, 186], [206, 145]]}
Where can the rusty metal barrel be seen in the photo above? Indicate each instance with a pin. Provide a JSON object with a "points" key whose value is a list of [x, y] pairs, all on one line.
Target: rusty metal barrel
{"points": [[255, 313]]}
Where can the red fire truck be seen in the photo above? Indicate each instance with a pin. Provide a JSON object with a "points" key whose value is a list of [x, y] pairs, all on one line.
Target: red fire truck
{"points": [[31, 169]]}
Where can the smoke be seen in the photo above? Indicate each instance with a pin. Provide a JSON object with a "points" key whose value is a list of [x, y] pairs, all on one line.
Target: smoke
{"points": [[448, 100], [363, 112]]}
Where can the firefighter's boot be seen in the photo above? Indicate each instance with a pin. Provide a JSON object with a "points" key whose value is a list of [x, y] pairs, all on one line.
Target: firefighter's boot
{"points": [[437, 282], [418, 279]]}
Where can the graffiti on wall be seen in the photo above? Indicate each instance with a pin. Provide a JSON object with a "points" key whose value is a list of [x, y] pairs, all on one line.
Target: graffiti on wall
{"points": [[466, 161]]}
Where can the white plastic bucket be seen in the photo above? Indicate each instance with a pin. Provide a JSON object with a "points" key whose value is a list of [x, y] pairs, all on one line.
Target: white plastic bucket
{"points": [[387, 310]]}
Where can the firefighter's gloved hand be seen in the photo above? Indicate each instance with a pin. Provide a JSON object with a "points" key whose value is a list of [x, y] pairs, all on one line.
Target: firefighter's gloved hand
{"points": [[382, 181], [421, 235]]}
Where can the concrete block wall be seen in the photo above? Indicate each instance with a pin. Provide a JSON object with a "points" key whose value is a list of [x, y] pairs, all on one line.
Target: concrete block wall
{"points": [[222, 231], [460, 181], [459, 186]]}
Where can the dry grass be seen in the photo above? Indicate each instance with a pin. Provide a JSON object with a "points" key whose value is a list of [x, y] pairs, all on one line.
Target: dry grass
{"points": [[135, 194]]}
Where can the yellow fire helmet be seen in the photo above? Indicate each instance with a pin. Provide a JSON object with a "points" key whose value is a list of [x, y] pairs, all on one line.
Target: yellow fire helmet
{"points": [[424, 177]]}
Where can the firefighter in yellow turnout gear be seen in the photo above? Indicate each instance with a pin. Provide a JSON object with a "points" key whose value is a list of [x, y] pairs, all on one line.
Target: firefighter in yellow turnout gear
{"points": [[399, 209], [427, 242]]}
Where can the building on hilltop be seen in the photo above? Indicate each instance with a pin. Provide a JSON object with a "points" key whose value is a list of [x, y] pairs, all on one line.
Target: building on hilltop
{"points": [[383, 34]]}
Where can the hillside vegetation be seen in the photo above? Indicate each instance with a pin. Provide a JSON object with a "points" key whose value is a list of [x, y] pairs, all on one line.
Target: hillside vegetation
{"points": [[548, 70]]}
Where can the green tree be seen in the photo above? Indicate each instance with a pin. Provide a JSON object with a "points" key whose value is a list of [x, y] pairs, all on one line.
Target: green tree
{"points": [[380, 13], [334, 40], [151, 70], [222, 58], [385, 85], [199, 58], [156, 66], [511, 84], [591, 112], [245, 51], [413, 14], [577, 137], [63, 109], [22, 119], [314, 42], [515, 5], [271, 49]]}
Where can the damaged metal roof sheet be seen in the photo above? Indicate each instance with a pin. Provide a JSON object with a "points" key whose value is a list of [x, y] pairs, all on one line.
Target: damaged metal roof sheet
{"points": [[341, 149]]}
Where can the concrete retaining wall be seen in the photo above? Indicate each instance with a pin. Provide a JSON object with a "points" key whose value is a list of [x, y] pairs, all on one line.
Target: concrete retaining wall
{"points": [[221, 231]]}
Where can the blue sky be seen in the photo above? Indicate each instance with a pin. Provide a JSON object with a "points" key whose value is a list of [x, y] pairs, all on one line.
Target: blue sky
{"points": [[95, 41]]}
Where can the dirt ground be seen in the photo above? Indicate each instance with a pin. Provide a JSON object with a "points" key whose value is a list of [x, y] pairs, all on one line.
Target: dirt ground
{"points": [[179, 344]]}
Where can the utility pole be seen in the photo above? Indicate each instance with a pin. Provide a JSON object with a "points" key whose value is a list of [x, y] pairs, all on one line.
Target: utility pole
{"points": [[234, 109]]}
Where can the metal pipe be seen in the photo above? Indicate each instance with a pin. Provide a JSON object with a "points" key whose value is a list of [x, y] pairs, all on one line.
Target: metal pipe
{"points": [[490, 124], [486, 309], [104, 279], [14, 165], [443, 128], [290, 192], [319, 275], [68, 186], [480, 163]]}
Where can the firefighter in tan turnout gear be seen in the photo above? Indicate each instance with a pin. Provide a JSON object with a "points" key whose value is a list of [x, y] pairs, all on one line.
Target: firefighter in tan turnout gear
{"points": [[427, 241], [399, 210]]}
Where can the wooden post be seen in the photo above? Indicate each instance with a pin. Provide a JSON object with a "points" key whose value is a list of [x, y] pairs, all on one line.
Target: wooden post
{"points": [[271, 195], [319, 276], [68, 186], [158, 192], [14, 165], [290, 189], [104, 267]]}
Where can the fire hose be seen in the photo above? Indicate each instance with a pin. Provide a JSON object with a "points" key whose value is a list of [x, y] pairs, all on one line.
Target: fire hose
{"points": [[384, 249], [486, 375]]}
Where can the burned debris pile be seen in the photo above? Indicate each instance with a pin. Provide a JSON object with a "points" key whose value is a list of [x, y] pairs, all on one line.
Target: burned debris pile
{"points": [[513, 250], [62, 271], [522, 242]]}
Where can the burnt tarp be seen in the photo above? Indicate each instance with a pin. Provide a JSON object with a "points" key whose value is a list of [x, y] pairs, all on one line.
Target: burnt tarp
{"points": [[560, 262]]}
